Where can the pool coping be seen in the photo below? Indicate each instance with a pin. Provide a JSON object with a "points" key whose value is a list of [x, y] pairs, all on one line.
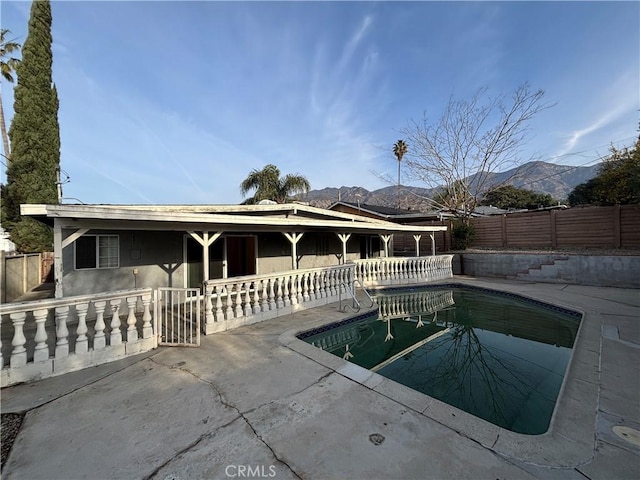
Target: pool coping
{"points": [[570, 440]]}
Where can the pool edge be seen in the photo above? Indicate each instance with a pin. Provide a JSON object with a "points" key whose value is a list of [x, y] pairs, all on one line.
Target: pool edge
{"points": [[570, 441]]}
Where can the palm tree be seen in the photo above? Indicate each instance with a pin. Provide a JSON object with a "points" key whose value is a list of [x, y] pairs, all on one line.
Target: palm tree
{"points": [[7, 65], [269, 186], [399, 149]]}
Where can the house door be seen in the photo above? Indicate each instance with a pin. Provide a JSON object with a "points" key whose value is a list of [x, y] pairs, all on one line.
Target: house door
{"points": [[370, 246], [193, 260], [241, 256]]}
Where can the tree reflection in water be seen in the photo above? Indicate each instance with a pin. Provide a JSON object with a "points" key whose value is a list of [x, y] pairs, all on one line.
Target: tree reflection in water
{"points": [[498, 358]]}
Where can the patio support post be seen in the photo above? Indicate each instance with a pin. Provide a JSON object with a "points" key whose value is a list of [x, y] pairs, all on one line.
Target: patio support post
{"points": [[57, 258], [344, 238], [433, 244], [58, 245], [205, 240], [385, 239], [417, 239], [294, 238]]}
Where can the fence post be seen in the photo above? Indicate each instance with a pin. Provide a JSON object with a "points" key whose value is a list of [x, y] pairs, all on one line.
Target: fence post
{"points": [[504, 230], [3, 273], [554, 236], [25, 274], [617, 234]]}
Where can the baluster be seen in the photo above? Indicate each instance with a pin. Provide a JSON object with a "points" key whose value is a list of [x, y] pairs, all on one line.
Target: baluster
{"points": [[315, 293], [272, 294], [132, 331], [294, 296], [239, 311], [256, 297], [265, 296], [41, 352], [82, 342], [219, 312], [285, 284], [19, 352], [329, 283], [247, 299], [147, 328], [305, 287], [299, 288], [320, 285], [279, 300], [99, 339], [309, 285], [229, 302], [209, 319], [62, 332], [116, 334]]}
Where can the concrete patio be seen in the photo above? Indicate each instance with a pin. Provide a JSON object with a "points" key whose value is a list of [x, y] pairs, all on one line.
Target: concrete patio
{"points": [[255, 402]]}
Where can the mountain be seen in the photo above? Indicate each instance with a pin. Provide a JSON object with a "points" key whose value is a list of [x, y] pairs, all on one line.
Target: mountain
{"points": [[541, 177]]}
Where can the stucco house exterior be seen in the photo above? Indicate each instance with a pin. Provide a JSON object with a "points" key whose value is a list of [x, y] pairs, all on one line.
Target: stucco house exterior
{"points": [[101, 248]]}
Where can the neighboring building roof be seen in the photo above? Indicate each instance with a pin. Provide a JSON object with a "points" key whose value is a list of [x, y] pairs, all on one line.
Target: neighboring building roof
{"points": [[489, 210], [279, 217]]}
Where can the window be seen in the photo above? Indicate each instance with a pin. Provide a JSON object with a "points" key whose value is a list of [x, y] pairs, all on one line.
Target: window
{"points": [[97, 251]]}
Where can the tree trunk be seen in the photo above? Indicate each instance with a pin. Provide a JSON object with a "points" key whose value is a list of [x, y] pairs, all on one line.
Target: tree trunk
{"points": [[5, 137]]}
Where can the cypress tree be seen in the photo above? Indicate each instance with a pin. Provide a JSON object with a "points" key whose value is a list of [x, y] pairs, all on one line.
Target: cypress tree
{"points": [[35, 136]]}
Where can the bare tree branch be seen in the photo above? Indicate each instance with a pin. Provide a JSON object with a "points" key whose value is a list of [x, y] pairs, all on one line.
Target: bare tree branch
{"points": [[472, 141]]}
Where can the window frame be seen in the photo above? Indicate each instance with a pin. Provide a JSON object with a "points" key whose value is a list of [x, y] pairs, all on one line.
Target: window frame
{"points": [[108, 259]]}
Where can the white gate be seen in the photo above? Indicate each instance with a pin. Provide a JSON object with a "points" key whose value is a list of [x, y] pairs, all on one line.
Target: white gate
{"points": [[178, 316]]}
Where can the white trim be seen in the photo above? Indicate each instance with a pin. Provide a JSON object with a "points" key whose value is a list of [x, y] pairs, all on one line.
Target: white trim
{"points": [[175, 219]]}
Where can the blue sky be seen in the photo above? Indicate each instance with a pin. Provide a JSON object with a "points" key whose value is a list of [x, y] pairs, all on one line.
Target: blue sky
{"points": [[176, 102]]}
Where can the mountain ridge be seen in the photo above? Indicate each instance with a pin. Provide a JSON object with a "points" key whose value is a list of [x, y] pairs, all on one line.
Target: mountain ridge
{"points": [[542, 177]]}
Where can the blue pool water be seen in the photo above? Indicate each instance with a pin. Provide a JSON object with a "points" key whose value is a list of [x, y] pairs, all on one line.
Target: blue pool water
{"points": [[497, 356]]}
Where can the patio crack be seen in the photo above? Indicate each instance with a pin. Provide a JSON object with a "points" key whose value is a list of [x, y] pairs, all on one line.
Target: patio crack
{"points": [[240, 415]]}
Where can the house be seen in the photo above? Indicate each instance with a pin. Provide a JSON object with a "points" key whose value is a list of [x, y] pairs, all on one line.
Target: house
{"points": [[101, 248]]}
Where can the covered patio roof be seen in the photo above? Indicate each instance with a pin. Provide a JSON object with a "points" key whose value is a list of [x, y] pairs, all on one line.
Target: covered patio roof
{"points": [[273, 218]]}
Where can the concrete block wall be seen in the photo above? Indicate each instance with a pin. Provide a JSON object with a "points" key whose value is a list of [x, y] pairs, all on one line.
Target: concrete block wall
{"points": [[599, 270]]}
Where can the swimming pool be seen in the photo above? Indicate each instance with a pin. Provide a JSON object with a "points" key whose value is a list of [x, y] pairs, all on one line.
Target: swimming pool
{"points": [[498, 356]]}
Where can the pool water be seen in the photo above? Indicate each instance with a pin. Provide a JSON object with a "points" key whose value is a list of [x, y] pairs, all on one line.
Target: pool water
{"points": [[497, 356]]}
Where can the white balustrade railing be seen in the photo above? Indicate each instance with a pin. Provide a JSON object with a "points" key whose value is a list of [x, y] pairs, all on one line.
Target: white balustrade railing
{"points": [[44, 338], [414, 303], [237, 301], [403, 270]]}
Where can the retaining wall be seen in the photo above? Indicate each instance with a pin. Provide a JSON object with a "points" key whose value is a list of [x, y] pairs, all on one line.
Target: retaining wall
{"points": [[599, 270]]}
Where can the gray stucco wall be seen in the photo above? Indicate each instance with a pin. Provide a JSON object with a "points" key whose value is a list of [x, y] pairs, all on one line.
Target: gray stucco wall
{"points": [[599, 270], [157, 258], [314, 250]]}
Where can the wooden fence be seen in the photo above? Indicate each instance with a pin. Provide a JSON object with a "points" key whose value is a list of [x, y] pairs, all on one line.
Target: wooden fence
{"points": [[19, 273], [616, 226]]}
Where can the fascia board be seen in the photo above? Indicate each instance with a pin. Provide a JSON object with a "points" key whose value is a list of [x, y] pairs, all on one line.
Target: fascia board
{"points": [[272, 223]]}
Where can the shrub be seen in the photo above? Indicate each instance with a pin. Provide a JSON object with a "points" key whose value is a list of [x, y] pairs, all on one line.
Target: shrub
{"points": [[462, 235]]}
